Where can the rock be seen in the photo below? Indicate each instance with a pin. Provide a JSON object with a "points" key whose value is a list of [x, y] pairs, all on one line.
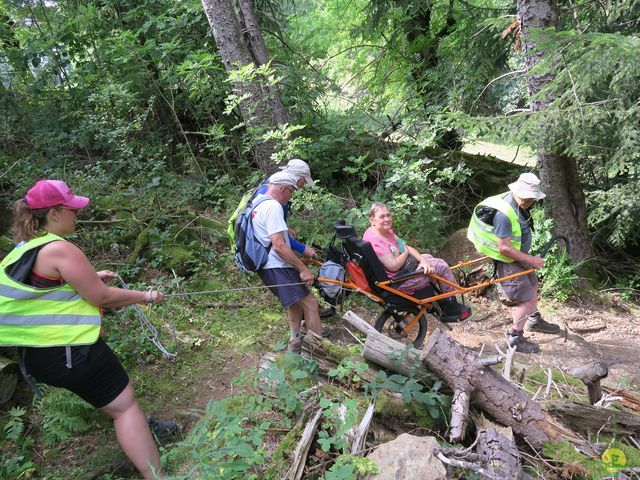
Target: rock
{"points": [[408, 457]]}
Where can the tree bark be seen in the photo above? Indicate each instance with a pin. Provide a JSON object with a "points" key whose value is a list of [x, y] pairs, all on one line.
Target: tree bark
{"points": [[261, 57], [256, 109], [488, 391], [389, 353], [558, 173], [588, 419]]}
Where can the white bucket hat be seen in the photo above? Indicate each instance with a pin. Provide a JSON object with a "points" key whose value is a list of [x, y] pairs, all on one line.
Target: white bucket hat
{"points": [[527, 186], [299, 169]]}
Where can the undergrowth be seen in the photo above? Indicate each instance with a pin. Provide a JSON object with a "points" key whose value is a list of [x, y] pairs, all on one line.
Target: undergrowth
{"points": [[251, 434]]}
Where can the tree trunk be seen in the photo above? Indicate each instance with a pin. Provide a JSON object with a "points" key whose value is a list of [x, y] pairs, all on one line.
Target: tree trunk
{"points": [[256, 108], [479, 385], [558, 173], [591, 420], [261, 57]]}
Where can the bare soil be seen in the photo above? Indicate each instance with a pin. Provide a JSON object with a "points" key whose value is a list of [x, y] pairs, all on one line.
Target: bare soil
{"points": [[588, 332]]}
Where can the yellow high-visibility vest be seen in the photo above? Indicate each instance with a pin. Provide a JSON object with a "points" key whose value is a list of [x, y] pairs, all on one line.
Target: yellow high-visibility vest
{"points": [[483, 235], [43, 317]]}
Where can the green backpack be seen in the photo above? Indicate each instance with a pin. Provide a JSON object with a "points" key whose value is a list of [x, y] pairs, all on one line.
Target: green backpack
{"points": [[244, 201]]}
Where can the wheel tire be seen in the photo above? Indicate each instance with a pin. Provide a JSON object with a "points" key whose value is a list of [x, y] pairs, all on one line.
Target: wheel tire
{"points": [[388, 323]]}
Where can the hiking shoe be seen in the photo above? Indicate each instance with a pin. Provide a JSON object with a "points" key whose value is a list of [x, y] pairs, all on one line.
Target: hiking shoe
{"points": [[163, 428], [295, 345], [327, 312], [453, 311], [535, 323], [522, 344]]}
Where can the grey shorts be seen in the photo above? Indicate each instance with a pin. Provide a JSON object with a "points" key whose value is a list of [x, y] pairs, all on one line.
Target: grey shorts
{"points": [[518, 289], [277, 279]]}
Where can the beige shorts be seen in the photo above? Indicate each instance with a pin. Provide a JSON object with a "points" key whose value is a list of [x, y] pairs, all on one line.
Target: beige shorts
{"points": [[519, 289]]}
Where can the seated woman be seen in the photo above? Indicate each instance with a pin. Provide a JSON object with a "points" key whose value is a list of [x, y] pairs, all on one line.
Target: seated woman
{"points": [[50, 308], [396, 256]]}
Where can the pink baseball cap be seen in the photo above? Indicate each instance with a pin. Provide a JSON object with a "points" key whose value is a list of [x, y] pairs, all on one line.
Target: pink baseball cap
{"points": [[49, 193]]}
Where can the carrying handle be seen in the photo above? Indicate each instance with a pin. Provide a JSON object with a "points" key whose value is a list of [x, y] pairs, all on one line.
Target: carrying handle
{"points": [[555, 238]]}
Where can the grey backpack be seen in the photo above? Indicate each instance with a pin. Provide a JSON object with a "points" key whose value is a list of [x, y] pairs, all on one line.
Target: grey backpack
{"points": [[333, 271]]}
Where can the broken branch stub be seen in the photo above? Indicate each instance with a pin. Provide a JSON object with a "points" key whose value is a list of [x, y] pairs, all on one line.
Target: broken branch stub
{"points": [[591, 374]]}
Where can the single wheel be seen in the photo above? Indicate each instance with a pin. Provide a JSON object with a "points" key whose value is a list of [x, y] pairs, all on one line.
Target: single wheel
{"points": [[403, 327]]}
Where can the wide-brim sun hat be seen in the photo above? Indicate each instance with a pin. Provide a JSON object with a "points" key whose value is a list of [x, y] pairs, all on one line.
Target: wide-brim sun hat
{"points": [[283, 178], [527, 186], [51, 193], [299, 169]]}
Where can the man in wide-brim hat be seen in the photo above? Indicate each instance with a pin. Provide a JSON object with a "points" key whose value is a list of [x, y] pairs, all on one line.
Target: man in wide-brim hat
{"points": [[501, 228]]}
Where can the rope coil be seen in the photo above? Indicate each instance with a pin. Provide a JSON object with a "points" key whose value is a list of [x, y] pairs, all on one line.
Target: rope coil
{"points": [[150, 329]]}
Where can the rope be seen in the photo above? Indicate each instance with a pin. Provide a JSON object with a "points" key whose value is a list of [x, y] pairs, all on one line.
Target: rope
{"points": [[152, 332], [205, 292]]}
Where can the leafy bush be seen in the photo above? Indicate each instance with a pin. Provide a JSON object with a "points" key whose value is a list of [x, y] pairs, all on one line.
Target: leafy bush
{"points": [[558, 274]]}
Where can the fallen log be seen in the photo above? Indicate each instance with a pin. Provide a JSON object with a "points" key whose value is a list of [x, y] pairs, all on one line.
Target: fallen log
{"points": [[390, 409], [328, 356], [629, 400], [484, 388], [589, 419], [495, 456], [389, 353]]}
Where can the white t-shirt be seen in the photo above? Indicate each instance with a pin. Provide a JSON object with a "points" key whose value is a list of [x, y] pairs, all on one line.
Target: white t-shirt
{"points": [[268, 218]]}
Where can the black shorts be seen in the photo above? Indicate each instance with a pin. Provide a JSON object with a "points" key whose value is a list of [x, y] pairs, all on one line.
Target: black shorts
{"points": [[96, 375], [286, 293]]}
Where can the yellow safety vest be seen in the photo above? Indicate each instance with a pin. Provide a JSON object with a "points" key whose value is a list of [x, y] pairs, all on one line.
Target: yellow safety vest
{"points": [[43, 317], [483, 235]]}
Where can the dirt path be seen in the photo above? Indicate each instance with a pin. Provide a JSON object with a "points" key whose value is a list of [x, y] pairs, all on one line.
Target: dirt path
{"points": [[614, 339]]}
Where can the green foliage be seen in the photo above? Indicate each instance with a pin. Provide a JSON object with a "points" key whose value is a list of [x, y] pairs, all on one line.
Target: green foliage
{"points": [[16, 466], [15, 426], [62, 414], [411, 391], [348, 369], [559, 272], [339, 418], [229, 441], [347, 467], [16, 463], [226, 444], [292, 374]]}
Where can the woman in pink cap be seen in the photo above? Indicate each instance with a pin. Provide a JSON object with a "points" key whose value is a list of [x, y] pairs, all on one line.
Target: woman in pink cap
{"points": [[50, 299]]}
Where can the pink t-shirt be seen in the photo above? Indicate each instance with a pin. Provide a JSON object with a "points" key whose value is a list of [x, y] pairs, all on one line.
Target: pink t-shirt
{"points": [[383, 244]]}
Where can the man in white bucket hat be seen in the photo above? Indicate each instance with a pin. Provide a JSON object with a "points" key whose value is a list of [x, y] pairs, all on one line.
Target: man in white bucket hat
{"points": [[501, 228]]}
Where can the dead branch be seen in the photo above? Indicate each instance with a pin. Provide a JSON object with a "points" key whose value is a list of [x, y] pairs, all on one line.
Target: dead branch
{"points": [[302, 449]]}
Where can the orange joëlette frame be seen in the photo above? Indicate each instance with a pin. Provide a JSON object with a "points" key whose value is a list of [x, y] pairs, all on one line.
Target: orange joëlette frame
{"points": [[424, 302]]}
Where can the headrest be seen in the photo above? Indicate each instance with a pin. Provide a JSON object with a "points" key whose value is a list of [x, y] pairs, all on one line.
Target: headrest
{"points": [[344, 231]]}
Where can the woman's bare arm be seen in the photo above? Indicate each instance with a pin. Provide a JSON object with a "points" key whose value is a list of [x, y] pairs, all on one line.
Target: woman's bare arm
{"points": [[393, 264], [423, 263], [66, 260]]}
